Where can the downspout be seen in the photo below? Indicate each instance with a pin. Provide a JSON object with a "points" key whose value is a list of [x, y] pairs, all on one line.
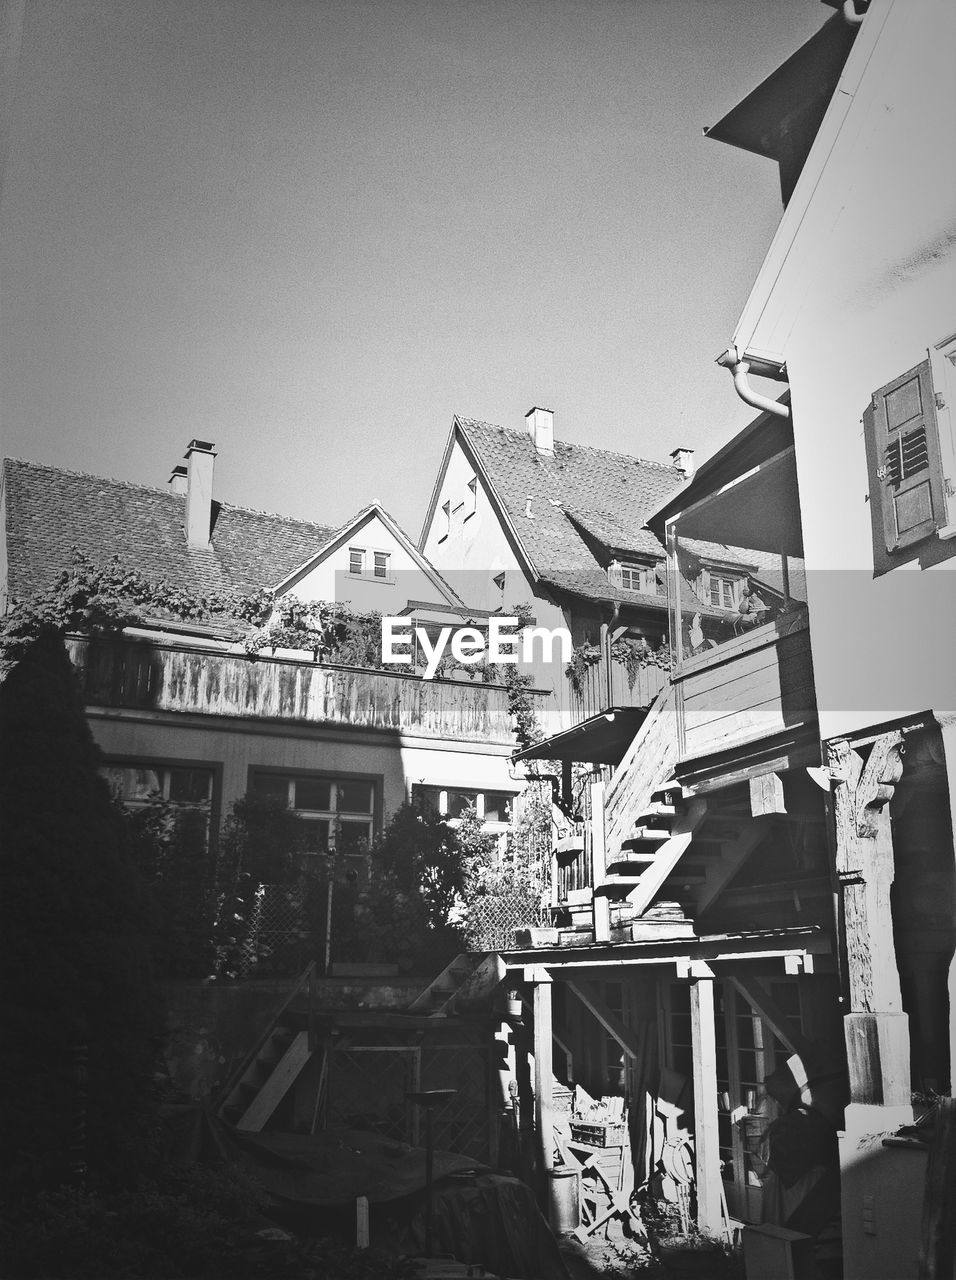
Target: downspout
{"points": [[850, 14], [740, 369]]}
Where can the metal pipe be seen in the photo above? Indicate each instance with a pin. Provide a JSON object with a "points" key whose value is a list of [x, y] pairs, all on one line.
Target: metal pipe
{"points": [[850, 14], [740, 369]]}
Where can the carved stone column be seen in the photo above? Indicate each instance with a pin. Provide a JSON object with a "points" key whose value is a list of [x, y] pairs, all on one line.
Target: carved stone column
{"points": [[876, 1028]]}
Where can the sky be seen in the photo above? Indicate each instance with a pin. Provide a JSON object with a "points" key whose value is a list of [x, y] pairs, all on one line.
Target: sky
{"points": [[312, 231]]}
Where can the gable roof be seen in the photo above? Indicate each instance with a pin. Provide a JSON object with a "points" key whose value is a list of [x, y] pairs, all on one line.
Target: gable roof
{"points": [[358, 521], [579, 497], [50, 511]]}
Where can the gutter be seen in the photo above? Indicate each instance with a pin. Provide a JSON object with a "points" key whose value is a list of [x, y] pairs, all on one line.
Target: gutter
{"points": [[740, 368]]}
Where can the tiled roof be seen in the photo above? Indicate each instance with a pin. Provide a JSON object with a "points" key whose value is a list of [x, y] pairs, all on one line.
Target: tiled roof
{"points": [[580, 492], [50, 511]]}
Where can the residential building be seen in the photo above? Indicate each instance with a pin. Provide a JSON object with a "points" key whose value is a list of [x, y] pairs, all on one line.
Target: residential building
{"points": [[188, 710], [518, 517], [766, 883], [854, 309]]}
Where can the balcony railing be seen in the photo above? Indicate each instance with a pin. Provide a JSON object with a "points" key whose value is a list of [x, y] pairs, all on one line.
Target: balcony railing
{"points": [[595, 693], [161, 676]]}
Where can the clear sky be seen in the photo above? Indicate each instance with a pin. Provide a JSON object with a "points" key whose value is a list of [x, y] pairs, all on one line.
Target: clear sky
{"points": [[313, 230]]}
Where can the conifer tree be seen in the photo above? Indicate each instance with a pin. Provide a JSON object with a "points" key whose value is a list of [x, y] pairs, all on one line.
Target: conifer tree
{"points": [[82, 1018]]}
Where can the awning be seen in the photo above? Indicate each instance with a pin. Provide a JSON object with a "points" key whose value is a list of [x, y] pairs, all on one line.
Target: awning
{"points": [[601, 739]]}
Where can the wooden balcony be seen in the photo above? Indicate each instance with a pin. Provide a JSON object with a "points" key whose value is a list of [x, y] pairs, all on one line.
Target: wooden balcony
{"points": [[160, 676], [595, 694], [752, 686]]}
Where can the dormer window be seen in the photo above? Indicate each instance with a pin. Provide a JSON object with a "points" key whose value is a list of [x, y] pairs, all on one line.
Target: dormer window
{"points": [[635, 577], [722, 591]]}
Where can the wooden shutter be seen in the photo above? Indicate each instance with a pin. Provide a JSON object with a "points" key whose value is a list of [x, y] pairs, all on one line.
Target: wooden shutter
{"points": [[902, 445]]}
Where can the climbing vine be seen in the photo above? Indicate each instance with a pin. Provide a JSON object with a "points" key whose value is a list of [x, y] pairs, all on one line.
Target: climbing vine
{"points": [[632, 655]]}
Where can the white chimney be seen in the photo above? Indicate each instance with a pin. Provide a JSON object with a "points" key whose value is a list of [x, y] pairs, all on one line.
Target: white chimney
{"points": [[177, 481], [541, 430], [683, 460], [200, 460]]}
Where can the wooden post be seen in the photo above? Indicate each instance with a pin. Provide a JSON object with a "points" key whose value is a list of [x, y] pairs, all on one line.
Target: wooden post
{"points": [[361, 1223], [876, 1028], [600, 906], [543, 1073], [707, 1155]]}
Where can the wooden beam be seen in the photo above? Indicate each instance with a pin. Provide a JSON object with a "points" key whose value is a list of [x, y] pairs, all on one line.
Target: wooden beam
{"points": [[732, 857], [706, 1141], [767, 1008], [632, 1044], [876, 1028], [600, 906], [766, 795]]}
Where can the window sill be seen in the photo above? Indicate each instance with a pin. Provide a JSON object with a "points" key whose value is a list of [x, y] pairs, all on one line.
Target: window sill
{"points": [[371, 577], [468, 516]]}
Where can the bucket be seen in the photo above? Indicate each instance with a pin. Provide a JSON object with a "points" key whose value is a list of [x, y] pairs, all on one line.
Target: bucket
{"points": [[564, 1186]]}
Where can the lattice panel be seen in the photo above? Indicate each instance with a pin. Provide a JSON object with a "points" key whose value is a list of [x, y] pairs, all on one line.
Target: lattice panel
{"points": [[493, 919], [280, 941], [461, 1124], [367, 1087]]}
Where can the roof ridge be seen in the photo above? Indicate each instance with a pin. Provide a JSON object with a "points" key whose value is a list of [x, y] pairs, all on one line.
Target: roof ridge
{"points": [[166, 493], [568, 444]]}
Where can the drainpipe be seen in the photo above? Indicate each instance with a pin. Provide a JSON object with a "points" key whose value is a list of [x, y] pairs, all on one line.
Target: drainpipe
{"points": [[850, 14], [740, 369]]}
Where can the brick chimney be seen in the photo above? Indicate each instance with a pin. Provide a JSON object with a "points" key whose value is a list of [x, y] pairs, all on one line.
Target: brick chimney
{"points": [[541, 430], [683, 460], [177, 480], [200, 461]]}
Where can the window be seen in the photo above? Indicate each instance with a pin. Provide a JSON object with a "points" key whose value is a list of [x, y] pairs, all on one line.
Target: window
{"points": [[907, 489], [135, 785], [451, 802], [471, 499], [639, 577], [446, 511], [380, 564], [722, 591], [342, 809]]}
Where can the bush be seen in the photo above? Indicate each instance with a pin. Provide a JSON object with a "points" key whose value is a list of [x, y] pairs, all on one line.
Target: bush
{"points": [[189, 1222]]}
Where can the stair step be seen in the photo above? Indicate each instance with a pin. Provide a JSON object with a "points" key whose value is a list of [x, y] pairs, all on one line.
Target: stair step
{"points": [[657, 813]]}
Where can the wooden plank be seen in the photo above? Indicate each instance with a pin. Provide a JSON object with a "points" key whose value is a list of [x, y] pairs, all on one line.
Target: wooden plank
{"points": [[647, 764], [361, 1223], [706, 1141], [277, 1085], [766, 795]]}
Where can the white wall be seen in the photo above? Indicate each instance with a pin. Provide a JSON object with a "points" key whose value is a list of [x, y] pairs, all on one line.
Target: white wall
{"points": [[331, 579], [859, 283]]}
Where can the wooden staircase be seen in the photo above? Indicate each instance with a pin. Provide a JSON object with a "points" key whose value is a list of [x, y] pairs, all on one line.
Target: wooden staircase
{"points": [[258, 1085], [467, 982]]}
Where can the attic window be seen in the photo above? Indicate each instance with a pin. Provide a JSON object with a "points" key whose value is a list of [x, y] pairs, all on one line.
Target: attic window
{"points": [[471, 499], [639, 577], [356, 560], [381, 561], [722, 591]]}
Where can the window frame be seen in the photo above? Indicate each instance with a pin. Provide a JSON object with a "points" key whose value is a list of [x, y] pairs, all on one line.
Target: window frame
{"points": [[933, 538], [213, 767], [480, 793], [332, 815]]}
